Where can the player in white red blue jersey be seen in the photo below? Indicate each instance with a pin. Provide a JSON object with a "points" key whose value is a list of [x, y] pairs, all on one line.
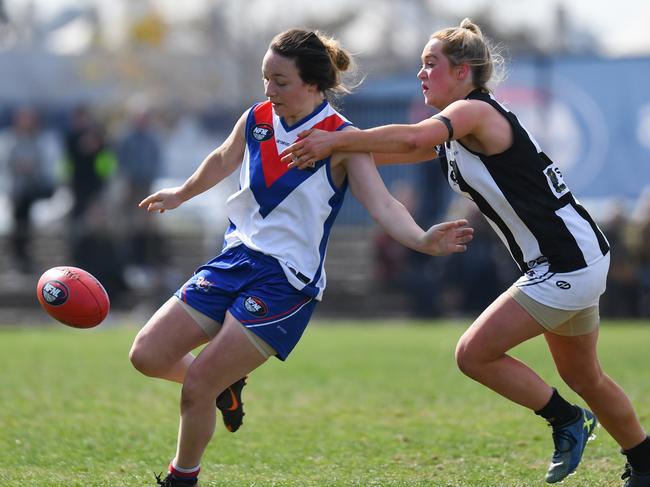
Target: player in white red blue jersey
{"points": [[255, 299], [488, 156], [284, 213]]}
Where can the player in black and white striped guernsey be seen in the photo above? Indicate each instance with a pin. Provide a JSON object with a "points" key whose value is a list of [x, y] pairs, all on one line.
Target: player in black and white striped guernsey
{"points": [[488, 156], [524, 197]]}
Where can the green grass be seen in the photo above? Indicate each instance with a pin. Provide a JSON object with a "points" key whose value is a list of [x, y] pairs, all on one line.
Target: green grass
{"points": [[355, 405]]}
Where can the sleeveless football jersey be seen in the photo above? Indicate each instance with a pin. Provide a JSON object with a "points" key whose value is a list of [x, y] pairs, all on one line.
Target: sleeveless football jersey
{"points": [[286, 213], [523, 196]]}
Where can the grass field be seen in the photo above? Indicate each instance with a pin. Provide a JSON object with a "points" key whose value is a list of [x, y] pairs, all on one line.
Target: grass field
{"points": [[355, 405]]}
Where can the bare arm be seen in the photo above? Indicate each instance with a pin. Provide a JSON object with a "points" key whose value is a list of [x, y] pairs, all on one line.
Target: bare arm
{"points": [[218, 165], [369, 189], [421, 155], [414, 141]]}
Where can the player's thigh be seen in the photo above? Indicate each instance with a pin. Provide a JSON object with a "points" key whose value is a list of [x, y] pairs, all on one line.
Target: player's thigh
{"points": [[227, 358], [170, 333], [503, 325]]}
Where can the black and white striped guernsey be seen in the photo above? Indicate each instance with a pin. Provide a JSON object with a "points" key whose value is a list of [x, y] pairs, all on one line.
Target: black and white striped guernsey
{"points": [[523, 196]]}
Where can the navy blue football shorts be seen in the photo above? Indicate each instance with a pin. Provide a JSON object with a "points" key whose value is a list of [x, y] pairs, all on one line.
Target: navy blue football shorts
{"points": [[254, 288]]}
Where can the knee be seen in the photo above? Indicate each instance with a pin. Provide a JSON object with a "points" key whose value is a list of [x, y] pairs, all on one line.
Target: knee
{"points": [[144, 360], [195, 393], [467, 358]]}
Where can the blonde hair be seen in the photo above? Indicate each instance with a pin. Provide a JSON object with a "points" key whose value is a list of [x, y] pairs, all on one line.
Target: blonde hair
{"points": [[466, 44], [320, 59]]}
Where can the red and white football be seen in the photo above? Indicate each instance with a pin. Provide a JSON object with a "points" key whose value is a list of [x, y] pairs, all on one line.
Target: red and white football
{"points": [[73, 296]]}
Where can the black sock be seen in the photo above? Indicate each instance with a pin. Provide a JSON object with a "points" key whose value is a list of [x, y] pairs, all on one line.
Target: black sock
{"points": [[558, 411], [639, 456]]}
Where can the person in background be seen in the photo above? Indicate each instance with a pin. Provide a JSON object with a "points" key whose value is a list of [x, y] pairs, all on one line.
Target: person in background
{"points": [[488, 156], [398, 269], [139, 164], [30, 162], [256, 297], [94, 242], [623, 297], [90, 161]]}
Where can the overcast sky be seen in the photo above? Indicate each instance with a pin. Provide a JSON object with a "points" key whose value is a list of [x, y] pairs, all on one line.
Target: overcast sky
{"points": [[620, 26]]}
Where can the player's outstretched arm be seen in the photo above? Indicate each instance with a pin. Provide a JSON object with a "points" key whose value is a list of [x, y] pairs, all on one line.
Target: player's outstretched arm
{"points": [[316, 145], [218, 165], [368, 187], [416, 142]]}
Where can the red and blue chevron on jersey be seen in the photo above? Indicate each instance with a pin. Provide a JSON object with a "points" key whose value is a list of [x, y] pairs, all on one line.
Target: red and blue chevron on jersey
{"points": [[281, 212]]}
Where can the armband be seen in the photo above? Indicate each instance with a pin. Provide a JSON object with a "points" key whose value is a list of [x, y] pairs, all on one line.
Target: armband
{"points": [[447, 123]]}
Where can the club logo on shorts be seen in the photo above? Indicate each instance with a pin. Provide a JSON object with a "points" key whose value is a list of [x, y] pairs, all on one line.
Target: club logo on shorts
{"points": [[55, 293], [202, 284], [563, 285], [262, 132], [255, 306]]}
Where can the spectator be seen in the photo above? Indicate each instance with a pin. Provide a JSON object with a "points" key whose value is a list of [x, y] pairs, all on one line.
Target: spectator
{"points": [[463, 281], [96, 249], [30, 163], [399, 269], [91, 163], [139, 162], [623, 291]]}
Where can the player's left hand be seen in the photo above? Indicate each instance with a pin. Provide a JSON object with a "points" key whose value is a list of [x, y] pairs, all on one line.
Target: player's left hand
{"points": [[447, 238], [165, 199], [313, 145]]}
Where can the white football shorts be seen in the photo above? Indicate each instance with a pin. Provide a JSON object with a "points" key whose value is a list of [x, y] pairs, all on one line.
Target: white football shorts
{"points": [[570, 290]]}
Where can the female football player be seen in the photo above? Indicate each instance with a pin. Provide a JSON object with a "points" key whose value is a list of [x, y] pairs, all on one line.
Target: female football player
{"points": [[256, 297], [488, 156]]}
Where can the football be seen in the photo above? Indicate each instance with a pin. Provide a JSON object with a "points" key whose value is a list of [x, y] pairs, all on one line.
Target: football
{"points": [[72, 296]]}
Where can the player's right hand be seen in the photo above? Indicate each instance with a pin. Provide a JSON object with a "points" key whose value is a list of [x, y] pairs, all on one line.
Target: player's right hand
{"points": [[165, 199], [447, 238], [312, 146]]}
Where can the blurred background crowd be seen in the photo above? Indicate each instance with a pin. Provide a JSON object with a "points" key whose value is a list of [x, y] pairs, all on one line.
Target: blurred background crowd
{"points": [[102, 102]]}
